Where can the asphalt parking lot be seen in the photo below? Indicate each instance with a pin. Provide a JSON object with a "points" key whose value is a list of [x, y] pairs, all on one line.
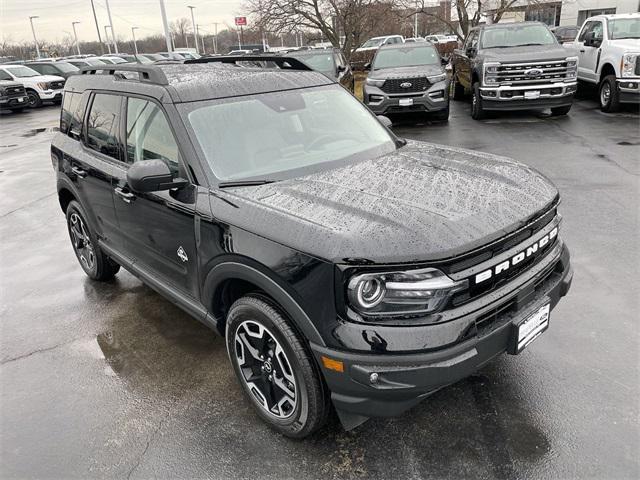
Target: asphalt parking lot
{"points": [[112, 381]]}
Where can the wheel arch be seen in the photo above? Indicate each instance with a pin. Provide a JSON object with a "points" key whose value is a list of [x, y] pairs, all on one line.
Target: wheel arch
{"points": [[234, 277], [66, 193], [607, 69]]}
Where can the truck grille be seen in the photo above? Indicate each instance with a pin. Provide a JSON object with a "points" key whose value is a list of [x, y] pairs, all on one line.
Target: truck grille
{"points": [[14, 91], [532, 73], [637, 70], [57, 85], [405, 85]]}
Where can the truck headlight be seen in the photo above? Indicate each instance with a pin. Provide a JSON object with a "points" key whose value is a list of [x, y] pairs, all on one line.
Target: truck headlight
{"points": [[43, 85], [374, 82], [572, 68], [628, 64], [491, 73], [401, 292], [437, 78]]}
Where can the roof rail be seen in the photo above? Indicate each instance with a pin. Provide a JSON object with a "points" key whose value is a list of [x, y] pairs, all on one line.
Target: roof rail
{"points": [[284, 63], [146, 73]]}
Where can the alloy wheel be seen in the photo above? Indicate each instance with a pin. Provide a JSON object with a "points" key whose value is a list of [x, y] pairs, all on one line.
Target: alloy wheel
{"points": [[266, 369], [81, 241]]}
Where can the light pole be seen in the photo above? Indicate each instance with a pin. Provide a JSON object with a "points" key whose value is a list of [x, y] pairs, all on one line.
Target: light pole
{"points": [[33, 30], [415, 22], [195, 32], [106, 37], [95, 19], [75, 34], [135, 44], [204, 50], [215, 37], [165, 25], [113, 32]]}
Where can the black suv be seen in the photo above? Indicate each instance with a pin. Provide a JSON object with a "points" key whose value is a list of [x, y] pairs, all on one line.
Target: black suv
{"points": [[343, 265]]}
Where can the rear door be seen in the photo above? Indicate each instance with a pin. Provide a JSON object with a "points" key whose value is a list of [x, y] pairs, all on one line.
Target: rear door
{"points": [[157, 228], [92, 164]]}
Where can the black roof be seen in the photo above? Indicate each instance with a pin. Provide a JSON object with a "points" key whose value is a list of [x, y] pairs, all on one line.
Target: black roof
{"points": [[175, 83]]}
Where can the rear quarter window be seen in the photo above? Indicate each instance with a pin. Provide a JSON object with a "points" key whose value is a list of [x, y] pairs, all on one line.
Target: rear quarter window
{"points": [[69, 106]]}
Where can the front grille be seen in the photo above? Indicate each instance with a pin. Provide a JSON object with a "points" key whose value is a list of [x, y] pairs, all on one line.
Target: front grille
{"points": [[405, 85], [57, 85], [532, 73], [15, 91], [637, 70]]}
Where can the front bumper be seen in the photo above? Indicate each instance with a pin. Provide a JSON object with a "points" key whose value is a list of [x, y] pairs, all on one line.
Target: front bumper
{"points": [[14, 102], [506, 97], [434, 99], [55, 95], [403, 380], [629, 90]]}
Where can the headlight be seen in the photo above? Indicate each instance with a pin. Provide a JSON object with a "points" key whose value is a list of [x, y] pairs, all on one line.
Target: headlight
{"points": [[437, 78], [572, 67], [491, 73], [375, 82], [628, 64], [401, 293], [43, 85]]}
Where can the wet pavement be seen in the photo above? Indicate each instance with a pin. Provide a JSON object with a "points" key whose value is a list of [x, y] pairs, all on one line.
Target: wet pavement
{"points": [[112, 381]]}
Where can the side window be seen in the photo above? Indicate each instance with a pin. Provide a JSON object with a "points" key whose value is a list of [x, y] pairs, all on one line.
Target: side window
{"points": [[102, 124], [585, 29], [597, 30], [69, 106], [5, 76], [149, 136]]}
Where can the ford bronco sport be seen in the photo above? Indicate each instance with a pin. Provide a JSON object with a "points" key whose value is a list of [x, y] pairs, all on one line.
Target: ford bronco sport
{"points": [[343, 265], [514, 66]]}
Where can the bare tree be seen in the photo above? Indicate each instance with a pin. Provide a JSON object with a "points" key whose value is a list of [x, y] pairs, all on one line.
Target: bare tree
{"points": [[344, 23], [181, 28]]}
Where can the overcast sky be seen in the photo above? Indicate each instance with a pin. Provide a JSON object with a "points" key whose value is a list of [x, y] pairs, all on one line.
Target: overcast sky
{"points": [[56, 17]]}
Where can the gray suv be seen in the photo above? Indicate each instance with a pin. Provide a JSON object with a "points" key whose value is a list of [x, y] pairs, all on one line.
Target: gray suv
{"points": [[407, 78]]}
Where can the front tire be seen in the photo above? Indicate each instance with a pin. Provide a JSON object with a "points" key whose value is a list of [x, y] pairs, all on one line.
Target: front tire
{"points": [[95, 263], [477, 111], [557, 111], [609, 94], [277, 374], [34, 99]]}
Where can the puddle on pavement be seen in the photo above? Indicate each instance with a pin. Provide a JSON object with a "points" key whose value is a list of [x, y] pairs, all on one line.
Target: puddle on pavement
{"points": [[7, 146], [35, 131]]}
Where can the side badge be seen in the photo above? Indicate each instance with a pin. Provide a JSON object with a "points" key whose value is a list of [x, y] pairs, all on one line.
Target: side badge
{"points": [[182, 255]]}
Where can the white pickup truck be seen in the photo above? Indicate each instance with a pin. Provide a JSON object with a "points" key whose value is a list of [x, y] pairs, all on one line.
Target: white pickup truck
{"points": [[609, 57]]}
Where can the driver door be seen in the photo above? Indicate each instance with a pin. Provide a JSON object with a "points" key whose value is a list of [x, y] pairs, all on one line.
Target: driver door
{"points": [[588, 55], [157, 228]]}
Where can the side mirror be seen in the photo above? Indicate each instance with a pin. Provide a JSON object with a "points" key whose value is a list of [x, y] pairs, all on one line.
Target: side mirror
{"points": [[367, 66], [590, 40], [340, 68], [152, 176], [386, 121]]}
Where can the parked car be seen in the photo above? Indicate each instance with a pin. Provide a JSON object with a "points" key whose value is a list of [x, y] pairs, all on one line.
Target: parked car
{"points": [[407, 78], [188, 53], [39, 88], [341, 263], [609, 50], [12, 94], [61, 68], [365, 53], [171, 55], [436, 38], [154, 57], [85, 62], [239, 52], [414, 40], [514, 66], [565, 34], [329, 61], [111, 60], [124, 56]]}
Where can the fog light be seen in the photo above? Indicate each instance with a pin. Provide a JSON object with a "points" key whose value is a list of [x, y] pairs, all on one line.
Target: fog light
{"points": [[490, 93], [373, 378]]}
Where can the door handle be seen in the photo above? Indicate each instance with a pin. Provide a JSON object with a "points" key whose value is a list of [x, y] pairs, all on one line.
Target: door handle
{"points": [[126, 197], [582, 50], [78, 172]]}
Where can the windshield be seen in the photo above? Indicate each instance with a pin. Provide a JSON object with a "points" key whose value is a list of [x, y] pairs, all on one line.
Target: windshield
{"points": [[517, 36], [406, 57], [143, 59], [94, 61], [284, 134], [322, 62], [66, 67], [117, 60], [373, 42], [23, 72], [620, 28]]}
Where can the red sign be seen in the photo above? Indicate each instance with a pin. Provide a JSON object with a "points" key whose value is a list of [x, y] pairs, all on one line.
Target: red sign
{"points": [[241, 21]]}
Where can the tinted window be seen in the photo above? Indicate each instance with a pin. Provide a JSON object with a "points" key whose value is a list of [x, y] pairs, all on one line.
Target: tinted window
{"points": [[69, 106], [102, 124], [587, 27], [48, 70], [149, 136], [406, 57], [5, 76]]}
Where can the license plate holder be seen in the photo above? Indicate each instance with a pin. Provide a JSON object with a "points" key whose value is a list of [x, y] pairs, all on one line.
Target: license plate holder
{"points": [[531, 94], [526, 331], [405, 102]]}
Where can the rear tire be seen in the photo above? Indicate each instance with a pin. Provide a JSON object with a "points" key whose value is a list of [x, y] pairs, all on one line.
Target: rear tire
{"points": [[477, 111], [557, 111], [95, 263], [457, 90], [609, 94], [277, 374]]}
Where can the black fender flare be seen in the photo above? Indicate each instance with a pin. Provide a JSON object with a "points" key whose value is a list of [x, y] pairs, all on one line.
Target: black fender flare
{"points": [[241, 270]]}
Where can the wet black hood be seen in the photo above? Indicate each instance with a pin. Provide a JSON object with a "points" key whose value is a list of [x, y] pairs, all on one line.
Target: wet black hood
{"points": [[420, 202]]}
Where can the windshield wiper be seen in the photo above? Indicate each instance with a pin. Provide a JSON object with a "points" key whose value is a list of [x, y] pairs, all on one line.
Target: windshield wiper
{"points": [[244, 183], [528, 44]]}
